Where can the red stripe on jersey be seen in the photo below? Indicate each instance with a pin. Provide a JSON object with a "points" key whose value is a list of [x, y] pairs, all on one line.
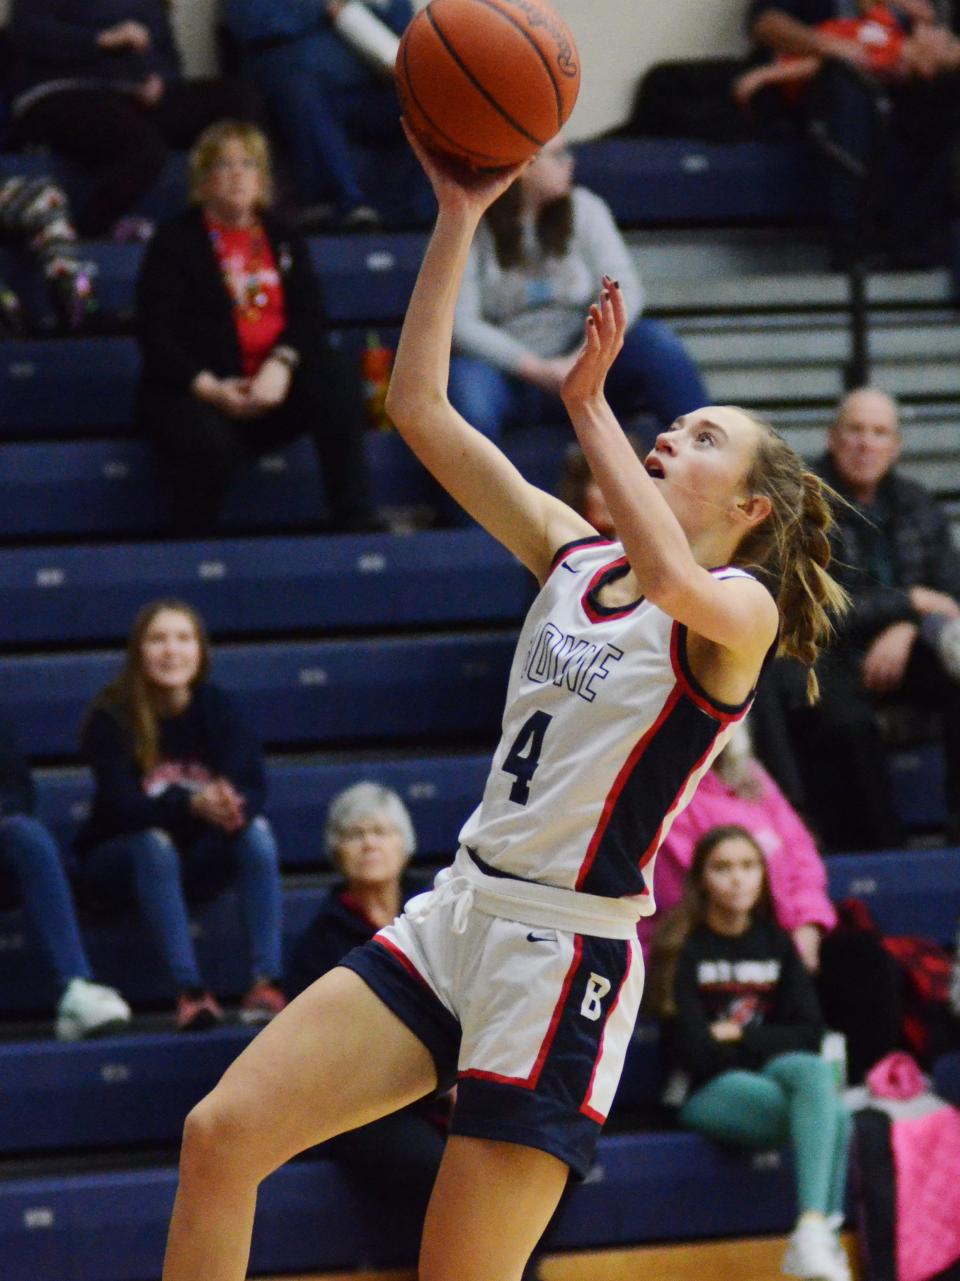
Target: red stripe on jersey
{"points": [[585, 1107], [405, 961], [588, 609], [620, 783], [702, 699], [530, 1082]]}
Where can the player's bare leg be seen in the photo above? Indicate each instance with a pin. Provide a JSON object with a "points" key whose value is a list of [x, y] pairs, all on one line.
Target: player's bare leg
{"points": [[335, 1058], [490, 1206]]}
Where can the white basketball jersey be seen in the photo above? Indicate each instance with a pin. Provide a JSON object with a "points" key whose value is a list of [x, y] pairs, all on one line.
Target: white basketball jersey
{"points": [[606, 734]]}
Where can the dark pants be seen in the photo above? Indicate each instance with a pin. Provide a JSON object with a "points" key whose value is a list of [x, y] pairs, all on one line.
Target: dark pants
{"points": [[849, 788], [202, 449], [911, 205], [125, 144]]}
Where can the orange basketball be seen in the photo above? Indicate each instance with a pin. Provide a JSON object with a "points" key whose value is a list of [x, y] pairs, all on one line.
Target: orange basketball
{"points": [[487, 81]]}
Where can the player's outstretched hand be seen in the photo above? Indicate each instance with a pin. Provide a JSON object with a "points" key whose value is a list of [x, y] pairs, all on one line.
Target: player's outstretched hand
{"points": [[457, 185], [604, 329]]}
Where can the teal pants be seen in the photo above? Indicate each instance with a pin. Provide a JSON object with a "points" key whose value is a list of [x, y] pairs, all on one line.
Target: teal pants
{"points": [[793, 1099]]}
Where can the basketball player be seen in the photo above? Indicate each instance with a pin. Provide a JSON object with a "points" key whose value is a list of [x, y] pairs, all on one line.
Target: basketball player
{"points": [[519, 975]]}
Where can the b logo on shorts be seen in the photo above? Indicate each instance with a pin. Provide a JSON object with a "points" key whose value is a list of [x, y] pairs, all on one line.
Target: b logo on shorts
{"points": [[597, 989]]}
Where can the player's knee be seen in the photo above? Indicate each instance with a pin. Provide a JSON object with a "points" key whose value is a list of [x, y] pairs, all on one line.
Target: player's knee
{"points": [[214, 1145]]}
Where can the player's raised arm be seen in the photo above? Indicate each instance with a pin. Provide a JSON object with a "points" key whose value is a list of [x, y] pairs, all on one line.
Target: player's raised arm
{"points": [[531, 523]]}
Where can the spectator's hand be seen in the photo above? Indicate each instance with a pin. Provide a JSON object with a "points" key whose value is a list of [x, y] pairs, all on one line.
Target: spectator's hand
{"points": [[807, 941], [887, 658], [850, 51], [726, 1030], [270, 386], [219, 805], [229, 395], [334, 7], [125, 35], [927, 601], [151, 90]]}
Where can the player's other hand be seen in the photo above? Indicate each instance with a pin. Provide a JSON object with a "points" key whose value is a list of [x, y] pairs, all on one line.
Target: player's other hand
{"points": [[604, 329], [457, 186]]}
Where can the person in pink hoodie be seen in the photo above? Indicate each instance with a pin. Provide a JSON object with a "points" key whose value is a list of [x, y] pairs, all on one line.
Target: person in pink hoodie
{"points": [[738, 790]]}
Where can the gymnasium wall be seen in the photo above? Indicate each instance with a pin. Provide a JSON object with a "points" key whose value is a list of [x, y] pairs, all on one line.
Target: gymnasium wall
{"points": [[617, 39]]}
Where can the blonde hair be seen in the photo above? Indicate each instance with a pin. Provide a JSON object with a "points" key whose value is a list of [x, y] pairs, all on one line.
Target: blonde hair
{"points": [[791, 549], [128, 695], [206, 152]]}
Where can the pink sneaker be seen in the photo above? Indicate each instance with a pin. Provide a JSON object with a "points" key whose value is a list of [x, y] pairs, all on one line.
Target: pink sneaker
{"points": [[262, 1002], [197, 1011]]}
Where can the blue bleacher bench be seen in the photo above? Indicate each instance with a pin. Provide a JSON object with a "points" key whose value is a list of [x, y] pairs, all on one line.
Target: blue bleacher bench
{"points": [[136, 1089], [683, 181], [908, 891], [308, 694], [266, 585], [439, 791], [111, 1226], [67, 386]]}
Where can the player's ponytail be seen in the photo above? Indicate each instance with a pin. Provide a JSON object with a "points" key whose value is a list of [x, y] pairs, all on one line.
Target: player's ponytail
{"points": [[792, 550]]}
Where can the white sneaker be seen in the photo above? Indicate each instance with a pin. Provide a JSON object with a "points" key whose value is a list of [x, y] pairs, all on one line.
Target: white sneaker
{"points": [[89, 1009], [812, 1252], [835, 1223]]}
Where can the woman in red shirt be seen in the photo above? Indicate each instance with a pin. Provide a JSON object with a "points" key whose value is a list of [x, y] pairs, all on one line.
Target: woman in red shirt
{"points": [[236, 361]]}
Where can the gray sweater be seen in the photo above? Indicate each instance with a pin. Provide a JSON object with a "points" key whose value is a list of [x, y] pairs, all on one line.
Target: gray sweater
{"points": [[539, 308]]}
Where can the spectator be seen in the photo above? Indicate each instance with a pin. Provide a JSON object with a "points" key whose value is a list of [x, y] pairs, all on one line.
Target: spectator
{"points": [[913, 210], [325, 69], [100, 81], [35, 212], [32, 872], [739, 791], [890, 53], [177, 810], [579, 490], [519, 321], [895, 556], [742, 1028], [236, 361], [370, 839]]}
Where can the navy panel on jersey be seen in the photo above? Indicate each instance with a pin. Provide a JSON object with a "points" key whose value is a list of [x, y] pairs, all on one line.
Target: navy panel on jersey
{"points": [[649, 785]]}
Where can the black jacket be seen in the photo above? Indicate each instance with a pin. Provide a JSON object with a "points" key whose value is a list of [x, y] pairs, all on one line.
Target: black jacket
{"points": [[57, 40], [210, 734], [756, 979], [185, 318], [922, 548], [17, 793], [335, 930]]}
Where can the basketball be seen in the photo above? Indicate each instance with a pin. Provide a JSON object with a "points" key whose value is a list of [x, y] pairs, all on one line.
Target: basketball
{"points": [[487, 81]]}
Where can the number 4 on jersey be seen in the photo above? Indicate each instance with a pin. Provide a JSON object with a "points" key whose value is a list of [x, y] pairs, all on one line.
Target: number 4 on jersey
{"points": [[524, 755]]}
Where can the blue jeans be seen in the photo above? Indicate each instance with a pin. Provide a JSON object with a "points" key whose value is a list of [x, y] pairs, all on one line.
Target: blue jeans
{"points": [[318, 108], [653, 369], [31, 872], [148, 869]]}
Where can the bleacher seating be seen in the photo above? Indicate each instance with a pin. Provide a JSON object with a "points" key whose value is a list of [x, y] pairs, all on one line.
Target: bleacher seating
{"points": [[414, 705]]}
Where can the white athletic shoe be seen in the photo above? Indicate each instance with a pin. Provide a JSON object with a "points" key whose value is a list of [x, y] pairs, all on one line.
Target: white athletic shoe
{"points": [[812, 1252], [89, 1009], [835, 1223]]}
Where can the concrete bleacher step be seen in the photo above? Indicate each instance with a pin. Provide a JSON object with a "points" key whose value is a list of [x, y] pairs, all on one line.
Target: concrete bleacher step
{"points": [[111, 1226], [440, 791], [309, 694], [264, 585]]}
